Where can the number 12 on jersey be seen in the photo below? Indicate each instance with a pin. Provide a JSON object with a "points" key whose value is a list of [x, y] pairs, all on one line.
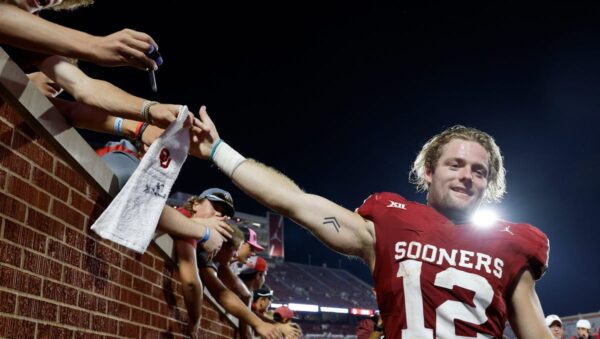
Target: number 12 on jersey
{"points": [[450, 310]]}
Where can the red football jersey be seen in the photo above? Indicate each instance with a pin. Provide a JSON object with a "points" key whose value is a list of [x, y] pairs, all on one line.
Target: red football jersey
{"points": [[435, 279]]}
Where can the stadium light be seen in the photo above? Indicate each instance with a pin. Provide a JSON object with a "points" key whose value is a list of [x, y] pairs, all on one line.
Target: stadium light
{"points": [[484, 217], [361, 311], [303, 307], [334, 310], [275, 305]]}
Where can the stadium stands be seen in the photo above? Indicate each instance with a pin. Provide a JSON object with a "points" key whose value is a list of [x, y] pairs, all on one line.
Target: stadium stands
{"points": [[299, 283]]}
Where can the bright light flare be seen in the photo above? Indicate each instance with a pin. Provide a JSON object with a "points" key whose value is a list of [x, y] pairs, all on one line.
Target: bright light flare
{"points": [[484, 217]]}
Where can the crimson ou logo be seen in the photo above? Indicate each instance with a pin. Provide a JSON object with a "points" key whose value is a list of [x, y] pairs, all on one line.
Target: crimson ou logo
{"points": [[165, 158]]}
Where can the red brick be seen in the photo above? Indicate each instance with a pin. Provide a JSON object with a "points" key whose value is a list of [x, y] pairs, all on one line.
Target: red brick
{"points": [[88, 301], [59, 292], [14, 163], [82, 204], [118, 310], [102, 305], [147, 259], [46, 224], [6, 133], [16, 328], [104, 324], [129, 330], [106, 288], [24, 236], [120, 277], [3, 175], [140, 285], [12, 207], [10, 254], [159, 321], [75, 238], [96, 267], [38, 309], [8, 302], [132, 266], [20, 281], [78, 278], [148, 333], [52, 332], [87, 335], [178, 327], [62, 252], [37, 263], [46, 182], [74, 317], [152, 276], [68, 214], [141, 317], [27, 147], [131, 297], [28, 193], [67, 174], [26, 130], [107, 254], [150, 304]]}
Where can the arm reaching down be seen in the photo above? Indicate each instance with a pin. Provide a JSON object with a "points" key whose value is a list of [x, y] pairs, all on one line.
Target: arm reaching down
{"points": [[526, 316]]}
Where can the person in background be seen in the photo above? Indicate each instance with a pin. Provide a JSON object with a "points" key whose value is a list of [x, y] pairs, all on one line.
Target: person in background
{"points": [[584, 329], [556, 326]]}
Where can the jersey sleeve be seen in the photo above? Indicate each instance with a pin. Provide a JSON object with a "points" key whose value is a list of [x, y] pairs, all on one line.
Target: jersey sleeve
{"points": [[366, 209], [377, 203], [537, 249]]}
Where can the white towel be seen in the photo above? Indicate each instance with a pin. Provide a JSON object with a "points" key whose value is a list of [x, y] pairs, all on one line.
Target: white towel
{"points": [[131, 218]]}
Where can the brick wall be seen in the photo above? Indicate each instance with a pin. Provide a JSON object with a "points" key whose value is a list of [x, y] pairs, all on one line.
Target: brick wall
{"points": [[57, 278]]}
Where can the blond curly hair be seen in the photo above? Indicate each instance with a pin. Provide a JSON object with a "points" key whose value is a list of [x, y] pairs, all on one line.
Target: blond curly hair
{"points": [[432, 150]]}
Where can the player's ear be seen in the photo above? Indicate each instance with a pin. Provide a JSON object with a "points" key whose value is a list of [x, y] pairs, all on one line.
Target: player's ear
{"points": [[428, 175]]}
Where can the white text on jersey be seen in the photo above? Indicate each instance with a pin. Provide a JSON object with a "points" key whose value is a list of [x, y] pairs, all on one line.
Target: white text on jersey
{"points": [[396, 205], [461, 258]]}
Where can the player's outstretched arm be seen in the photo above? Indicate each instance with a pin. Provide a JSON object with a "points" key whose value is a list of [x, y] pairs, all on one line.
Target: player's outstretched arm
{"points": [[526, 316], [339, 228]]}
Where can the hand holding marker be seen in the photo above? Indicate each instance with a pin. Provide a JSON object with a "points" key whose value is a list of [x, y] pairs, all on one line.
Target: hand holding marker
{"points": [[155, 55]]}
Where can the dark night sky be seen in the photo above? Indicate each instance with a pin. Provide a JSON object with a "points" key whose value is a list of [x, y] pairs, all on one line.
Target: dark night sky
{"points": [[340, 97]]}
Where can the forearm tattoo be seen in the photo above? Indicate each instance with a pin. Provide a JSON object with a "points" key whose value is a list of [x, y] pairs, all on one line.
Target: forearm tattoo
{"points": [[333, 221]]}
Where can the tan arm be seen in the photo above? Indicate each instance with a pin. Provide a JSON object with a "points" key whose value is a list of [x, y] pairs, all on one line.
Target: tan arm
{"points": [[28, 31], [526, 316], [232, 304], [190, 281], [340, 229], [104, 95]]}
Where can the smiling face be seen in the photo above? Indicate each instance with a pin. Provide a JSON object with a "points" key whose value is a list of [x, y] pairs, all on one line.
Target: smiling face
{"points": [[458, 181]]}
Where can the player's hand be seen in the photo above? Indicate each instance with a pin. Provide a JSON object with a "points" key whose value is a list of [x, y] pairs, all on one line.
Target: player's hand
{"points": [[204, 136], [125, 48], [268, 331]]}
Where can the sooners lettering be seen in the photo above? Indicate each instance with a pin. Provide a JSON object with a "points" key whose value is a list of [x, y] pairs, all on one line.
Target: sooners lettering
{"points": [[439, 256]]}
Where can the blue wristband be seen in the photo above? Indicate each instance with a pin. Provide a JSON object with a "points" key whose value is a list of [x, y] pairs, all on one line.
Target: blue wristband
{"points": [[205, 237], [214, 148], [117, 125]]}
